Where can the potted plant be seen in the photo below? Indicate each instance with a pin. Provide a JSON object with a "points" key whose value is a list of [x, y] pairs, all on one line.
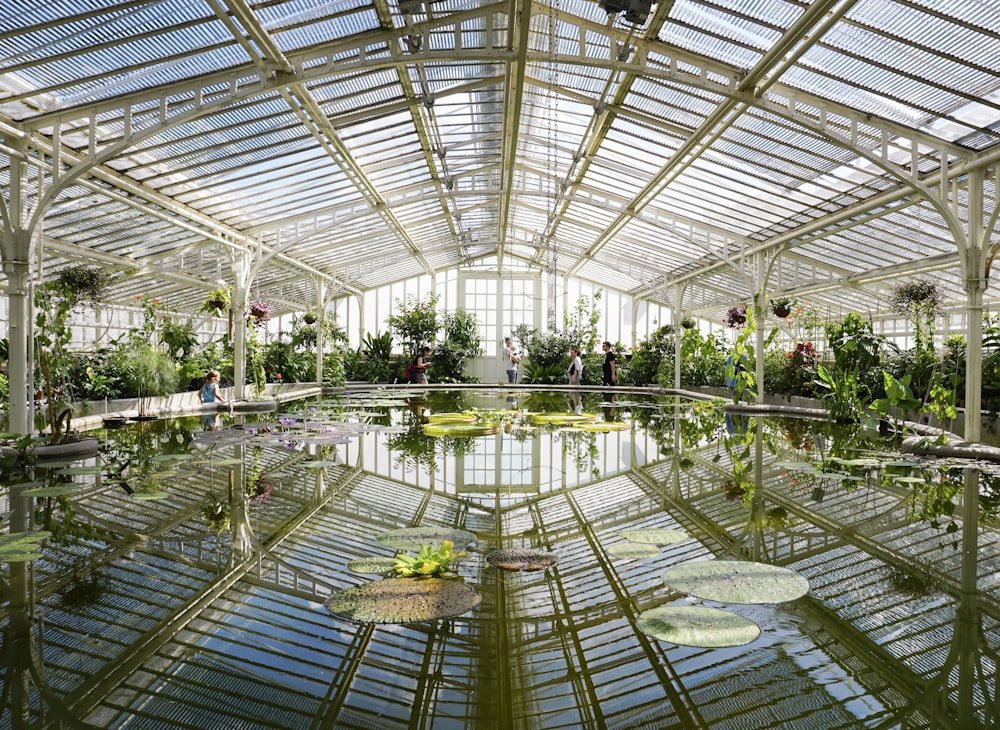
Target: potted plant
{"points": [[736, 316], [781, 307], [687, 322], [309, 318], [259, 313], [152, 374], [217, 301]]}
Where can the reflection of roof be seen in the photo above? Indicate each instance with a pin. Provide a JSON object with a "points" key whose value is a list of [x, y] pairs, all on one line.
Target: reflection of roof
{"points": [[190, 620], [362, 143]]}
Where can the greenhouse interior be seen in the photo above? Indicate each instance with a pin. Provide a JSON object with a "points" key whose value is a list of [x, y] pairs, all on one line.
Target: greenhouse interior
{"points": [[518, 365]]}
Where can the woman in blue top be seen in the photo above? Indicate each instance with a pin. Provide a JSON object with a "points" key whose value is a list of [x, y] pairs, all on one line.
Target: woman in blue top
{"points": [[210, 392]]}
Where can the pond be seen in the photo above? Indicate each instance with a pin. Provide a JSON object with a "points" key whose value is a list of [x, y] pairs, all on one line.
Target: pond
{"points": [[194, 571]]}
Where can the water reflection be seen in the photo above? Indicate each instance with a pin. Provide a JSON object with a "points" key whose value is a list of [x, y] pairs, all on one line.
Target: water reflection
{"points": [[188, 567]]}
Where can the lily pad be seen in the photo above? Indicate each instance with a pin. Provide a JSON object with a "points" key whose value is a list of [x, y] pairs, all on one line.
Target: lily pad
{"points": [[414, 538], [633, 550], [74, 470], [149, 496], [403, 600], [561, 419], [697, 626], [737, 581], [371, 565], [521, 559], [460, 430], [602, 426], [910, 480], [452, 418], [655, 537]]}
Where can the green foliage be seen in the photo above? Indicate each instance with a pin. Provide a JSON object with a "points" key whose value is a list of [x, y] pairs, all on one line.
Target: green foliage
{"points": [[898, 396], [428, 562], [415, 324], [580, 324], [461, 342], [651, 353], [533, 373], [703, 361], [841, 393], [544, 349], [334, 373], [854, 343], [740, 363], [782, 306], [919, 301], [372, 362], [256, 371], [179, 339], [285, 364], [217, 301]]}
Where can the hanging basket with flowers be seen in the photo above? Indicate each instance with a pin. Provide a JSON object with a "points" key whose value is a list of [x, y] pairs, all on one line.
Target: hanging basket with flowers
{"points": [[736, 316], [260, 312], [309, 318], [216, 302]]}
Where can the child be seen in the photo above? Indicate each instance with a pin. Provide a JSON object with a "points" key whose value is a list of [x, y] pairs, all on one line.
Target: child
{"points": [[210, 392]]}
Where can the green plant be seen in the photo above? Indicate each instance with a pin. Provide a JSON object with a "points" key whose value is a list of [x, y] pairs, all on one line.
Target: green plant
{"points": [[83, 283], [842, 393], [898, 396], [151, 372], [919, 301], [688, 322], [533, 373], [739, 373], [179, 339], [415, 324], [217, 301], [428, 562], [580, 324], [461, 342], [854, 343], [648, 357], [782, 306]]}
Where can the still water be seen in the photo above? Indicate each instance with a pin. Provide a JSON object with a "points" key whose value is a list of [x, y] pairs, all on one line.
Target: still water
{"points": [[184, 581]]}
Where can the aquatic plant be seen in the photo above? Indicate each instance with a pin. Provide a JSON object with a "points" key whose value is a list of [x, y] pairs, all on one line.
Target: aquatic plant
{"points": [[427, 562], [697, 626], [414, 538], [515, 559], [401, 601], [736, 581], [655, 537]]}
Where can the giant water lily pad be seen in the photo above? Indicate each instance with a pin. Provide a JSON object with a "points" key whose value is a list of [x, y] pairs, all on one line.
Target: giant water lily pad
{"points": [[452, 418], [56, 490], [372, 565], [20, 547], [655, 537], [561, 419], [403, 600], [737, 581], [602, 426], [460, 430], [521, 559], [414, 538], [633, 550], [697, 626]]}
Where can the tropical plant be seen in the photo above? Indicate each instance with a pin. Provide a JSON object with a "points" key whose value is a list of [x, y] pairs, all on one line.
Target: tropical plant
{"points": [[688, 322], [543, 349], [428, 562], [533, 373], [842, 393], [919, 301], [259, 313], [373, 360], [740, 373], [648, 357], [415, 324], [150, 373], [580, 324], [898, 397], [461, 342], [854, 343]]}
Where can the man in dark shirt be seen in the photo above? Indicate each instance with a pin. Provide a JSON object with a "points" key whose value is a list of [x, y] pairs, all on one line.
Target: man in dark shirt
{"points": [[610, 366]]}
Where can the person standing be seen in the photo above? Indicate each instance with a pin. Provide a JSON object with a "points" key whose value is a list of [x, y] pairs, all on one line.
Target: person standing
{"points": [[210, 392], [420, 365], [575, 370], [610, 375], [510, 360]]}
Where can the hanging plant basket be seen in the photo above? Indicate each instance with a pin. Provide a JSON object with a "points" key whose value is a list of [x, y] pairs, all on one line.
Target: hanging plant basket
{"points": [[736, 316], [781, 307], [688, 322], [309, 318], [260, 312]]}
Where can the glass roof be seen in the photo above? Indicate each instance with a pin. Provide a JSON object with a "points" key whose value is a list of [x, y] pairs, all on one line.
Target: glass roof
{"points": [[366, 143]]}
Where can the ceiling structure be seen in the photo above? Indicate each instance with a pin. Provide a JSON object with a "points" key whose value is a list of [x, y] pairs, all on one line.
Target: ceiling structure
{"points": [[353, 144]]}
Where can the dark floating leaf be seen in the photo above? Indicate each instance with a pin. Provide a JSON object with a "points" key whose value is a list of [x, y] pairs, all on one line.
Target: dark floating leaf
{"points": [[697, 626], [521, 559], [737, 581], [414, 538], [403, 600]]}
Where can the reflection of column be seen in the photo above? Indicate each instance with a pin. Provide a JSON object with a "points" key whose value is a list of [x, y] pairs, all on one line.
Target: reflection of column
{"points": [[17, 643]]}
